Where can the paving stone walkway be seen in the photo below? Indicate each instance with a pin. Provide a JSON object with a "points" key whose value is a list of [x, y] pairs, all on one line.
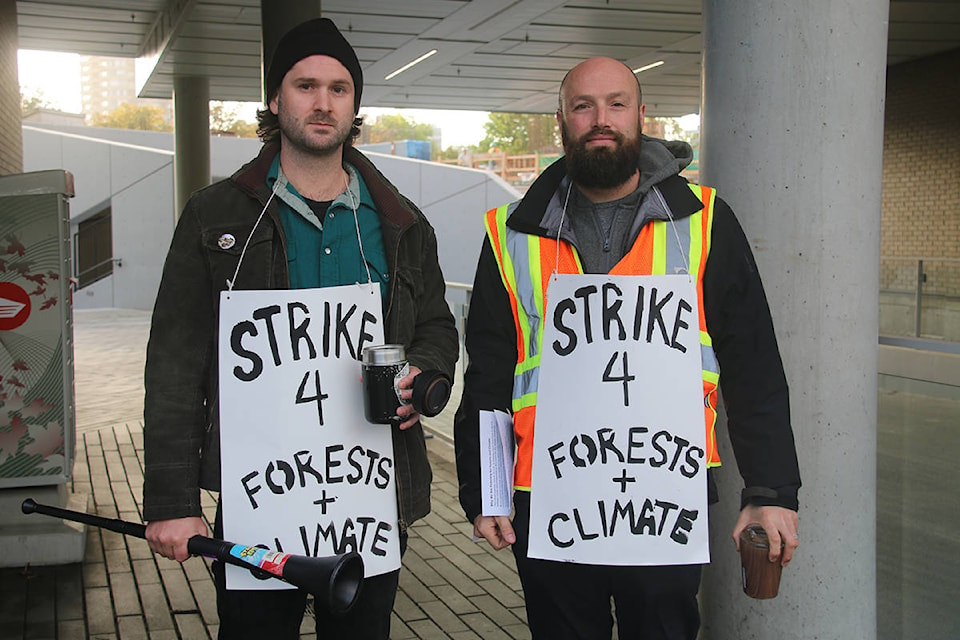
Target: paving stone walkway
{"points": [[450, 587]]}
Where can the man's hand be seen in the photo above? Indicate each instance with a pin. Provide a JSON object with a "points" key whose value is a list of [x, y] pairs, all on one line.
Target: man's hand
{"points": [[497, 530], [169, 537], [781, 525], [406, 411]]}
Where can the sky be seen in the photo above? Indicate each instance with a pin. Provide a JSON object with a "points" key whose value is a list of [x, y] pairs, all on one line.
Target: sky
{"points": [[55, 77]]}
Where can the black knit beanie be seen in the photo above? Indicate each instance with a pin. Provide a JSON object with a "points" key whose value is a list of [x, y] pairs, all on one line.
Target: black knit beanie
{"points": [[314, 37]]}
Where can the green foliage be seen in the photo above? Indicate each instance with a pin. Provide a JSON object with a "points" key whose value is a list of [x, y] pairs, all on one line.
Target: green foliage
{"points": [[131, 116], [224, 120], [519, 133], [33, 101], [450, 153], [391, 128], [673, 131]]}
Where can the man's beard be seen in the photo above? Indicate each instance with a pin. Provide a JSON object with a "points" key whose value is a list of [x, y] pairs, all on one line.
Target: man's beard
{"points": [[603, 167], [295, 133]]}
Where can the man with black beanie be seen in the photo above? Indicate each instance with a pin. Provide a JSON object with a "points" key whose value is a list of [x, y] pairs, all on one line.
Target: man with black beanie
{"points": [[309, 211]]}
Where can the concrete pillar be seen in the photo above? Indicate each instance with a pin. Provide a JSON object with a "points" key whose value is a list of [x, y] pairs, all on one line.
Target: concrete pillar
{"points": [[191, 136], [792, 138], [276, 18]]}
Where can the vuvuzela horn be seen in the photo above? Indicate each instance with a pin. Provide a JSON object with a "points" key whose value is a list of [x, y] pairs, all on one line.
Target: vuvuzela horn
{"points": [[334, 581]]}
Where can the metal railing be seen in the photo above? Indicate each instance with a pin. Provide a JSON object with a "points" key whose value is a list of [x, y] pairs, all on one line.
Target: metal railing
{"points": [[97, 272], [920, 297], [458, 297]]}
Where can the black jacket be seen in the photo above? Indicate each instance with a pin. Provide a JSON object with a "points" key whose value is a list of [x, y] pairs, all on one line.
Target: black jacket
{"points": [[181, 414], [752, 381]]}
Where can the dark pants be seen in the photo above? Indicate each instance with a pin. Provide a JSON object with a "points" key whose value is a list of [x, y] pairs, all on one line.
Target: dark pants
{"points": [[256, 615], [566, 600]]}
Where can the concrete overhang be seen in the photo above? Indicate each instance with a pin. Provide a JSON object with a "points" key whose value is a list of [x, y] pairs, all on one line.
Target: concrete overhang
{"points": [[494, 55]]}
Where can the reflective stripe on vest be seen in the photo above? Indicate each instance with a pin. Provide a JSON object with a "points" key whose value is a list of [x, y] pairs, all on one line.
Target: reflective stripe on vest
{"points": [[526, 262]]}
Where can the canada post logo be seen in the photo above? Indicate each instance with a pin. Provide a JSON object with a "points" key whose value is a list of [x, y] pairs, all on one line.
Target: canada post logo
{"points": [[14, 306]]}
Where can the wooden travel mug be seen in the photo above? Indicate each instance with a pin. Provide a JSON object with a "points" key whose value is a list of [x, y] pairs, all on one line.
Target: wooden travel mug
{"points": [[761, 578]]}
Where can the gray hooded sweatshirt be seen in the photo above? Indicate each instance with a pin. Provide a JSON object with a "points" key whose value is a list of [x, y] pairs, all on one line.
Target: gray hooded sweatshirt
{"points": [[604, 232]]}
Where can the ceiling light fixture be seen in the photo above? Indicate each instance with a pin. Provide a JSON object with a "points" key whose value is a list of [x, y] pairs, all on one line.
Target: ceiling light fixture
{"points": [[410, 64], [652, 65]]}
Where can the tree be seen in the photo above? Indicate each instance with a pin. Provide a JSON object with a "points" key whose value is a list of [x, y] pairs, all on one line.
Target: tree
{"points": [[224, 119], [451, 153], [673, 131], [131, 116], [522, 132], [391, 128], [33, 101]]}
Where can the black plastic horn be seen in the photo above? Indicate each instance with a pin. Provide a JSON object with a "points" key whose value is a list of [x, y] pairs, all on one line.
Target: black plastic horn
{"points": [[334, 581]]}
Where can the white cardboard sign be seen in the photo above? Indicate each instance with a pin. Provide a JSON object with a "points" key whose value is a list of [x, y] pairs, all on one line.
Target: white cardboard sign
{"points": [[619, 462], [302, 470]]}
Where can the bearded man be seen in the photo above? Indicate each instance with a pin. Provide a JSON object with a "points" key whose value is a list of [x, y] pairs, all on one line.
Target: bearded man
{"points": [[308, 212], [612, 205]]}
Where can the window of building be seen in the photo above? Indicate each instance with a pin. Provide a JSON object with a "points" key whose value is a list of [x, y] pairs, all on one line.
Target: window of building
{"points": [[93, 247]]}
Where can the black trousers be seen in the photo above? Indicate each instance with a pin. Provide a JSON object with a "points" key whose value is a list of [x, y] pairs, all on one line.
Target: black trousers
{"points": [[566, 600], [258, 615]]}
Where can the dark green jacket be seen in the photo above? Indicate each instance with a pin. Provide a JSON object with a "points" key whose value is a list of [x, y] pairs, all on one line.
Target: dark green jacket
{"points": [[181, 410]]}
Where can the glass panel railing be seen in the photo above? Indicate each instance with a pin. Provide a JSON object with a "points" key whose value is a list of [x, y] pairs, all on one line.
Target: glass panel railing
{"points": [[920, 298], [918, 549], [458, 299]]}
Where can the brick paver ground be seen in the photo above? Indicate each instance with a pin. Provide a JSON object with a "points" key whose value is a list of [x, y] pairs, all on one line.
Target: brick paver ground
{"points": [[450, 587]]}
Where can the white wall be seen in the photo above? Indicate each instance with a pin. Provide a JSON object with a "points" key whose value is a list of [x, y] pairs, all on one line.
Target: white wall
{"points": [[229, 154], [98, 295], [454, 199], [137, 183], [118, 168], [143, 222]]}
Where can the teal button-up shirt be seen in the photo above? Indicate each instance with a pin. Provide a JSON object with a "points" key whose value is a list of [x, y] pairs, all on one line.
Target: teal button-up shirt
{"points": [[325, 253]]}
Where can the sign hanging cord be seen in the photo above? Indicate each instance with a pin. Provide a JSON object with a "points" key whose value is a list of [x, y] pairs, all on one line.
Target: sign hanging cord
{"points": [[247, 243]]}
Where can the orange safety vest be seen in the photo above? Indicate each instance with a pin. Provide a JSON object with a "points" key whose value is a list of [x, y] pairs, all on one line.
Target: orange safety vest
{"points": [[526, 263]]}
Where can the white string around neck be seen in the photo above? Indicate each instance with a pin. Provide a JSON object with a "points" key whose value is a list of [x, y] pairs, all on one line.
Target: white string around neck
{"points": [[673, 225], [356, 221], [663, 203], [276, 186], [354, 206], [563, 214]]}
